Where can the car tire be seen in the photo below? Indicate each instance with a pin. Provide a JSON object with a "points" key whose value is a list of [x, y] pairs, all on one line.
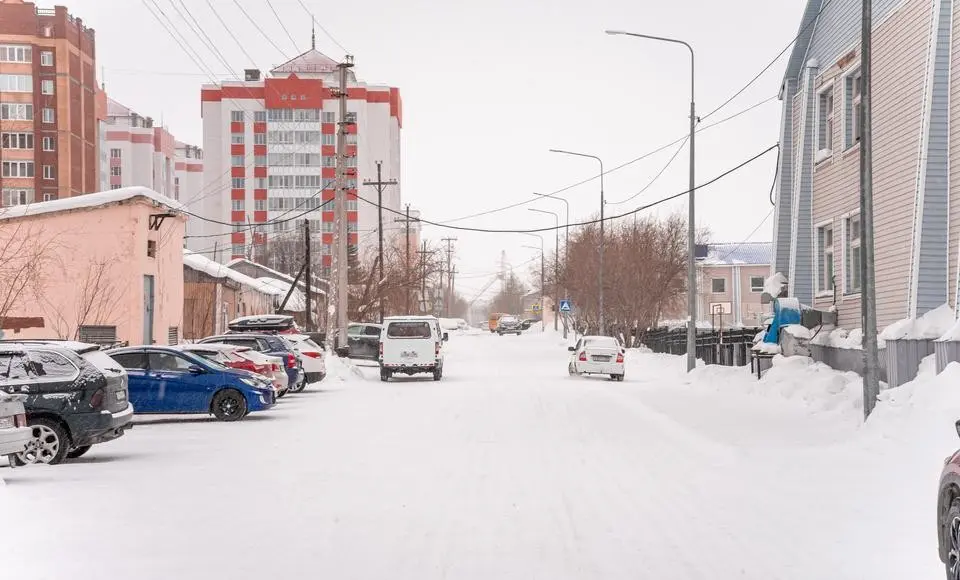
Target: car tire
{"points": [[385, 375], [571, 369], [299, 387], [437, 374], [950, 534], [618, 378], [281, 394], [49, 446], [78, 451], [322, 376], [229, 405]]}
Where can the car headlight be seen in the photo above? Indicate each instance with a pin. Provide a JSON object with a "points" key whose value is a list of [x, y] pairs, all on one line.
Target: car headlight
{"points": [[251, 382]]}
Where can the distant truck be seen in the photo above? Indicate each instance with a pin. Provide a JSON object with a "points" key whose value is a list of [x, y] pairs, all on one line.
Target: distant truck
{"points": [[494, 320]]}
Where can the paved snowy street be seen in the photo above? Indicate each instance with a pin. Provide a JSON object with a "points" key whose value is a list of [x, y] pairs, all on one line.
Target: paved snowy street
{"points": [[508, 468]]}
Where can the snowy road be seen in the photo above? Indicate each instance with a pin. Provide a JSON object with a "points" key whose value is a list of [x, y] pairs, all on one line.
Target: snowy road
{"points": [[506, 469]]}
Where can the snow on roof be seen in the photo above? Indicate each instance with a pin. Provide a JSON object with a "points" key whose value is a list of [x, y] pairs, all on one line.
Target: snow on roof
{"points": [[932, 325], [273, 273], [89, 201], [312, 61], [746, 254], [217, 270], [297, 301]]}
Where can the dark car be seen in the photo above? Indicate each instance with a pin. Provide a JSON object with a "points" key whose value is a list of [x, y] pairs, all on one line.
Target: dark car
{"points": [[509, 325], [364, 340], [76, 397], [948, 514], [165, 379], [270, 344]]}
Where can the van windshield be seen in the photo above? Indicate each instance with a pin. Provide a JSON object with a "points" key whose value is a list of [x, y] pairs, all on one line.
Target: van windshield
{"points": [[409, 330]]}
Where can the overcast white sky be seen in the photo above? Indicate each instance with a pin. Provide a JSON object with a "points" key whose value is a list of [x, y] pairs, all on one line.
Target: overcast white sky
{"points": [[488, 87]]}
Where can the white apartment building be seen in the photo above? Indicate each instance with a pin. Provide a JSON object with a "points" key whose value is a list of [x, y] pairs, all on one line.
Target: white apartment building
{"points": [[139, 153], [270, 153]]}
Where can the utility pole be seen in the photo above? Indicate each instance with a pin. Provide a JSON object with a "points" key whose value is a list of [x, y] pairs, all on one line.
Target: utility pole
{"points": [[406, 282], [868, 299], [380, 184], [341, 266], [423, 277], [453, 276], [306, 264], [446, 298]]}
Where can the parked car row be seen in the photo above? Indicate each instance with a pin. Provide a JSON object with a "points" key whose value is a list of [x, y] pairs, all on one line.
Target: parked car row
{"points": [[58, 398]]}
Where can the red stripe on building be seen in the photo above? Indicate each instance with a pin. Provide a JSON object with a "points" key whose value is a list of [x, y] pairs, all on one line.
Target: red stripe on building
{"points": [[327, 216], [259, 149], [328, 260], [260, 127], [237, 171], [328, 128], [237, 149], [194, 167], [118, 135], [135, 138], [179, 166], [352, 217], [261, 216], [378, 96], [238, 194], [259, 171], [211, 95], [238, 216], [396, 105], [259, 194], [241, 92], [328, 150], [328, 172], [236, 126], [327, 238], [357, 93], [237, 237]]}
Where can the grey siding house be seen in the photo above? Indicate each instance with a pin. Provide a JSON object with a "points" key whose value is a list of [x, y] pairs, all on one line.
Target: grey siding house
{"points": [[917, 213]]}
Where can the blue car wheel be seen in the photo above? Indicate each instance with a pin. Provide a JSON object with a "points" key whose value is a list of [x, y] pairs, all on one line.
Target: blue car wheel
{"points": [[229, 405]]}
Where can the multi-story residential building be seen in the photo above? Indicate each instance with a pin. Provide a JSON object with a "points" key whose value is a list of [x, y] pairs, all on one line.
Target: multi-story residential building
{"points": [[139, 152], [917, 210], [187, 171], [270, 155], [48, 121], [730, 279]]}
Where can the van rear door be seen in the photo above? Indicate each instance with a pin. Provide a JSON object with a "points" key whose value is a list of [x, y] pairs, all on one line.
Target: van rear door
{"points": [[410, 343]]}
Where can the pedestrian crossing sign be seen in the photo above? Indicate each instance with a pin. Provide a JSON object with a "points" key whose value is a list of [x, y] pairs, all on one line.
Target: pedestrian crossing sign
{"points": [[565, 306]]}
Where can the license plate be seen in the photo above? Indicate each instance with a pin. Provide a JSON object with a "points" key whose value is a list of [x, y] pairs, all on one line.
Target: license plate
{"points": [[408, 354], [600, 358], [121, 396]]}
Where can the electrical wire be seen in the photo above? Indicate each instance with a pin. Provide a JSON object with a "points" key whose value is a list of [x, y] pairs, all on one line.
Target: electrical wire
{"points": [[776, 174], [257, 26], [588, 222], [177, 37], [325, 31], [617, 168], [232, 35], [655, 177], [771, 63], [282, 25], [747, 239]]}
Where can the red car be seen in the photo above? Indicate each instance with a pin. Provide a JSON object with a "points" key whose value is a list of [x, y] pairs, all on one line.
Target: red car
{"points": [[948, 514], [241, 357]]}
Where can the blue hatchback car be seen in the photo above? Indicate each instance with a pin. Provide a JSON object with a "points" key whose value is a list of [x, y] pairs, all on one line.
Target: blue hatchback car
{"points": [[169, 380]]}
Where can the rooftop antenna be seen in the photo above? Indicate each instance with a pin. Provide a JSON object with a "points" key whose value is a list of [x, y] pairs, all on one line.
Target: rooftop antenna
{"points": [[313, 33]]}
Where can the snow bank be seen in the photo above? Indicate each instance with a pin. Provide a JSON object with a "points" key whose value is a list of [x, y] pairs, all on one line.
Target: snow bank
{"points": [[840, 338], [952, 334], [767, 348], [798, 331], [932, 325], [774, 284]]}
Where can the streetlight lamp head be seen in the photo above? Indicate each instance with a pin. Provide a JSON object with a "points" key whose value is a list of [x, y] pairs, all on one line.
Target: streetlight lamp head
{"points": [[615, 32]]}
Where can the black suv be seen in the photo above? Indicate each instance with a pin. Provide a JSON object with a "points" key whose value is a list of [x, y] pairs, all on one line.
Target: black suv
{"points": [[76, 397]]}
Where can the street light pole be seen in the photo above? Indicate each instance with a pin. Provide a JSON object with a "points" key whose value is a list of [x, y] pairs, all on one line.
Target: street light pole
{"points": [[566, 250], [691, 224], [602, 238], [556, 267], [542, 262]]}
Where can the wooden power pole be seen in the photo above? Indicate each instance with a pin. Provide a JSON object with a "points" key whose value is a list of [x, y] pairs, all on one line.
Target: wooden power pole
{"points": [[380, 184]]}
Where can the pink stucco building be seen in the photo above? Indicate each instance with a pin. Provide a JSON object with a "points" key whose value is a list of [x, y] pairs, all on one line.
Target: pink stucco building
{"points": [[105, 267]]}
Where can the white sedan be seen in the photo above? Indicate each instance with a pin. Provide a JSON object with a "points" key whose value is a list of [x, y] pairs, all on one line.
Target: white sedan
{"points": [[597, 355], [314, 367], [14, 433]]}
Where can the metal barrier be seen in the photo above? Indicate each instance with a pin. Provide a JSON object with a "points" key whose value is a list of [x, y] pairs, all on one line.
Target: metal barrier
{"points": [[728, 348]]}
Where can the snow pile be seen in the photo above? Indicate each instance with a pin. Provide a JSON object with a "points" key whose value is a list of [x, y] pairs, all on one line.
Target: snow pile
{"points": [[930, 326], [952, 334], [774, 284], [767, 348], [840, 338], [798, 331]]}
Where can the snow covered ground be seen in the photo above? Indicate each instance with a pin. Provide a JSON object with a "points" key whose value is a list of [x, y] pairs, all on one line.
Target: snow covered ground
{"points": [[508, 468]]}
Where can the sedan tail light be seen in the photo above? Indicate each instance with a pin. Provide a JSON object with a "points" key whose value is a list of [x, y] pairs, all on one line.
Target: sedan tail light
{"points": [[583, 356], [619, 357], [96, 400], [20, 420], [313, 354], [291, 361], [275, 367]]}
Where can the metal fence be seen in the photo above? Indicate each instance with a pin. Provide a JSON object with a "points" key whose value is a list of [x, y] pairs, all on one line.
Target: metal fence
{"points": [[728, 348]]}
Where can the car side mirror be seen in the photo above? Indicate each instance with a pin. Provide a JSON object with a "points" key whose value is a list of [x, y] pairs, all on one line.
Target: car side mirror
{"points": [[572, 348], [446, 336], [196, 370], [958, 428]]}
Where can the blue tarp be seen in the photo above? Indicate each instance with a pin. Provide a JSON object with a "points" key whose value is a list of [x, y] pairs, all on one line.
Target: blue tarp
{"points": [[786, 311]]}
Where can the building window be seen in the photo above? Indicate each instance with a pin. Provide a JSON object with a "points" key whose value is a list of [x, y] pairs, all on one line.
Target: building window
{"points": [[239, 250], [17, 196], [260, 160], [327, 228], [151, 248], [46, 87], [329, 139], [352, 206], [825, 112], [16, 53], [260, 116], [260, 182], [329, 117], [49, 115], [851, 228], [18, 169], [756, 284], [115, 154], [259, 138], [236, 116], [16, 112], [49, 196], [236, 160], [49, 144], [176, 188], [329, 161], [116, 171], [17, 141], [825, 259], [236, 138], [260, 205], [48, 172], [46, 58], [718, 285], [280, 115], [239, 183], [115, 186], [16, 83], [237, 205], [853, 86]]}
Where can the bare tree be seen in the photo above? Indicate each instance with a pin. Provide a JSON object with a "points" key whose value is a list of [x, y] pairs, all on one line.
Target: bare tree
{"points": [[27, 254], [96, 297]]}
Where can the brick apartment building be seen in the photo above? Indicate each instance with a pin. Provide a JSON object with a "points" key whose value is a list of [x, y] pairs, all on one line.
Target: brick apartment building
{"points": [[48, 104]]}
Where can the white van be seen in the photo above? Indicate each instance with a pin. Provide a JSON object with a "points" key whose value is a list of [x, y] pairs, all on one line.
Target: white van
{"points": [[411, 345]]}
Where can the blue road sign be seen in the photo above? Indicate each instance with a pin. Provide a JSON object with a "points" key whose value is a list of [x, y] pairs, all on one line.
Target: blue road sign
{"points": [[565, 306]]}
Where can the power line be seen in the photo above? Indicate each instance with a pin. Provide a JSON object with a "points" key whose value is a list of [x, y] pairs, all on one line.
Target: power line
{"points": [[325, 31], [172, 31], [257, 26], [771, 63], [617, 168], [747, 239], [232, 35], [282, 25], [655, 177], [201, 34], [589, 222]]}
